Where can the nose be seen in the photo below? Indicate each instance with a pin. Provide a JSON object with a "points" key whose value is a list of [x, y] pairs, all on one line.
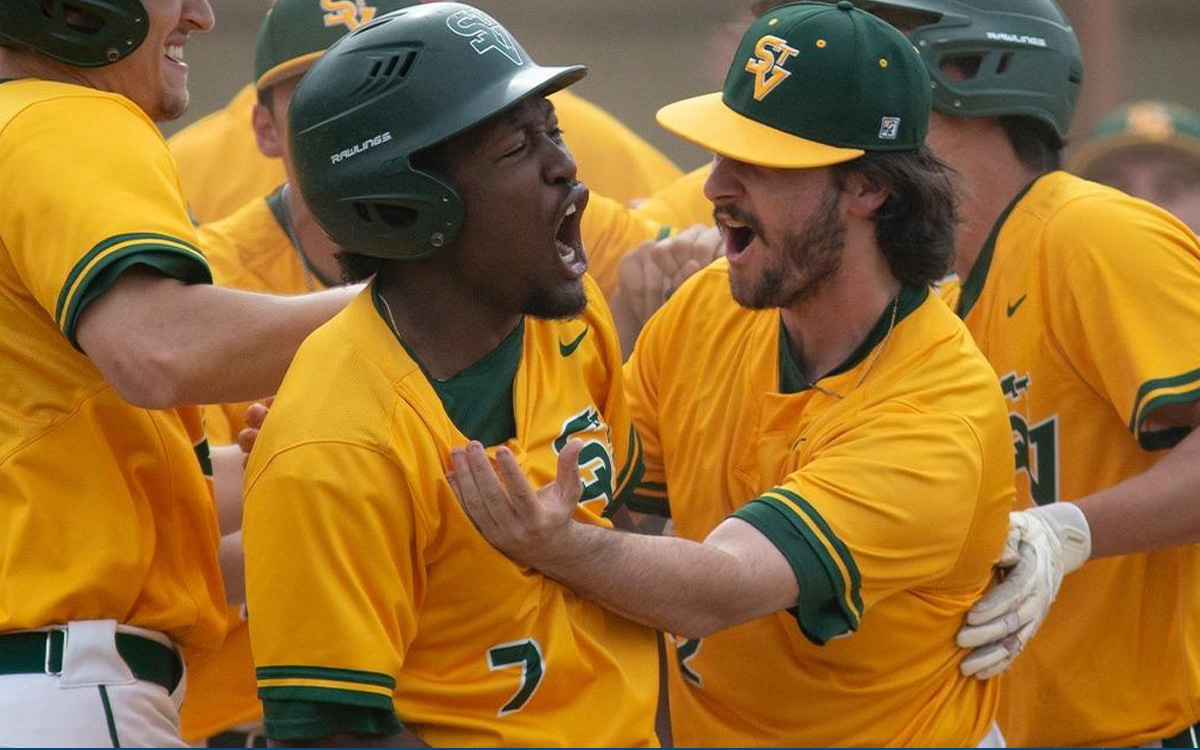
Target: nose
{"points": [[560, 165], [198, 16], [722, 184]]}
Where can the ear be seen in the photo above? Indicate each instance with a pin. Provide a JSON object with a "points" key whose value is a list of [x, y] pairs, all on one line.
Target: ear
{"points": [[862, 197], [267, 132]]}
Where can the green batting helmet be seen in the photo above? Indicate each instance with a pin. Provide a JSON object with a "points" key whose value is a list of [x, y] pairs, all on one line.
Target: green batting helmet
{"points": [[115, 29], [408, 80], [1029, 58]]}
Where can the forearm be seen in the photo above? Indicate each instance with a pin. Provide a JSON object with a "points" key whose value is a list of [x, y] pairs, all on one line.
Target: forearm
{"points": [[1157, 509], [228, 469], [161, 343], [233, 568], [675, 585]]}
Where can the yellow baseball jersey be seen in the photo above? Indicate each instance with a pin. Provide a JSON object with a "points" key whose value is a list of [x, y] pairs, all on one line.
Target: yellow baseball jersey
{"points": [[1087, 303], [107, 508], [612, 159], [887, 488], [205, 151], [405, 606], [682, 203]]}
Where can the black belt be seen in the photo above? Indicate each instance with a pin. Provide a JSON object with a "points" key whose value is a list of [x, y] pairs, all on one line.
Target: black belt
{"points": [[235, 738], [41, 652]]}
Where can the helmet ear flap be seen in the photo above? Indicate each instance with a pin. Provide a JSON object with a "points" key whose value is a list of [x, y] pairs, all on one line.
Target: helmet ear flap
{"points": [[115, 28], [420, 207]]}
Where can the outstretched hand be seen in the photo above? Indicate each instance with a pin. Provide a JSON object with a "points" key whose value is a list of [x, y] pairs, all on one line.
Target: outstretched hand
{"points": [[526, 525]]}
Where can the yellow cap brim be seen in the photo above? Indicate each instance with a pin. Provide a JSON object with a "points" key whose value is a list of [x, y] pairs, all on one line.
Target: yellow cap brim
{"points": [[707, 122], [1093, 153], [287, 69]]}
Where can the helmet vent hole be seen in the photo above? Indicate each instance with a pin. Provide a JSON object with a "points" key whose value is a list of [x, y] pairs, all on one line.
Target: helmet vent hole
{"points": [[78, 18], [961, 67], [363, 213], [397, 217], [393, 66], [1003, 66]]}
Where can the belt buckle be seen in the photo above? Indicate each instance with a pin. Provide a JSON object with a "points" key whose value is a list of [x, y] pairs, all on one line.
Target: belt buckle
{"points": [[50, 648]]}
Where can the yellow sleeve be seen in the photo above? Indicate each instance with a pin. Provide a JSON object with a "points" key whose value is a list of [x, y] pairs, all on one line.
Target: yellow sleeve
{"points": [[1122, 295], [872, 513], [680, 204], [610, 230], [641, 377], [87, 212], [334, 575], [612, 159]]}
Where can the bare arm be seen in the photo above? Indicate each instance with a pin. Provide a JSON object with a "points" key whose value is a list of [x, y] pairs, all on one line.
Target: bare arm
{"points": [[649, 273], [162, 343], [687, 588], [1158, 508]]}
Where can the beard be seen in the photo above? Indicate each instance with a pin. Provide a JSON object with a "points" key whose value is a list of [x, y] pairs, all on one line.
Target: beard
{"points": [[559, 303], [809, 258]]}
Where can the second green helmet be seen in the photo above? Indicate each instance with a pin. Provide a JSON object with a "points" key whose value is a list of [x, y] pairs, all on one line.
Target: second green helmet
{"points": [[1029, 61], [407, 81]]}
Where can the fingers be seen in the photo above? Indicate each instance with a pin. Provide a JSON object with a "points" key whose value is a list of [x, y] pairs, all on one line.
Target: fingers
{"points": [[478, 488], [520, 493], [256, 413], [570, 488]]}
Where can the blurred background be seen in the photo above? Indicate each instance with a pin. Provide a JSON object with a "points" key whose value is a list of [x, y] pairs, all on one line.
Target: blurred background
{"points": [[645, 54]]}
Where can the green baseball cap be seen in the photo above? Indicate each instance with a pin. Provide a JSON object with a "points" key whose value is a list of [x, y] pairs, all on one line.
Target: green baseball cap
{"points": [[297, 32], [1140, 124], [812, 84]]}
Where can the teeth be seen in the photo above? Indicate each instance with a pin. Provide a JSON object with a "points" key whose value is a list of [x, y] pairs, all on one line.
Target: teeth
{"points": [[175, 52], [571, 210]]}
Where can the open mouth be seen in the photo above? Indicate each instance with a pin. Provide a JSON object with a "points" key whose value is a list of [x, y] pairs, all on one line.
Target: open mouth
{"points": [[174, 53], [567, 237], [737, 229]]}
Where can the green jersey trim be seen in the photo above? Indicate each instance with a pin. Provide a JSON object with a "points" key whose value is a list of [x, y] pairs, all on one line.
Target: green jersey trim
{"points": [[972, 286], [825, 608], [791, 380], [650, 497], [299, 719], [479, 399], [355, 676], [630, 477], [1143, 407], [170, 261]]}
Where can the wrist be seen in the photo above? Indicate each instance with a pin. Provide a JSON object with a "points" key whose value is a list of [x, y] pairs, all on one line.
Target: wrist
{"points": [[1070, 526]]}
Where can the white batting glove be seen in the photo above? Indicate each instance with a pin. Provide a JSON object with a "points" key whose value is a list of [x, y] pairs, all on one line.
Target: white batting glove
{"points": [[1044, 544]]}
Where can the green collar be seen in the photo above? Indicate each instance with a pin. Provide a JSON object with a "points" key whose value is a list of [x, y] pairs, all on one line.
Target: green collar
{"points": [[277, 202], [478, 399], [972, 286], [791, 380]]}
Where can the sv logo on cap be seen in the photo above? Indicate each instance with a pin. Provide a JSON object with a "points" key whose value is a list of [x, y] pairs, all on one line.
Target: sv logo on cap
{"points": [[349, 13], [487, 33], [772, 52]]}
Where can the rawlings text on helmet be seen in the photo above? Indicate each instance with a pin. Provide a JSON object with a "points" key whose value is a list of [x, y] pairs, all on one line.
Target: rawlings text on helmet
{"points": [[1001, 36], [358, 148]]}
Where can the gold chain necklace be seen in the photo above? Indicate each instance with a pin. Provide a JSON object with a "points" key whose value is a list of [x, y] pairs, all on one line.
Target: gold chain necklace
{"points": [[391, 319], [874, 359]]}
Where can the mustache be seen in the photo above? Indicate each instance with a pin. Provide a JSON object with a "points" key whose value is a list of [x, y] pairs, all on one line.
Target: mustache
{"points": [[724, 213]]}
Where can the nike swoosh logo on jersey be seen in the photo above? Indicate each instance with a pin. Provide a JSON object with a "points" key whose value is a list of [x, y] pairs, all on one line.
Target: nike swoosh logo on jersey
{"points": [[1012, 306], [568, 349]]}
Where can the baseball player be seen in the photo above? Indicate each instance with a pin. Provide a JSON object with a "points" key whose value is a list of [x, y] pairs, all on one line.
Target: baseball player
{"points": [[613, 160], [832, 448], [273, 244], [425, 147], [1087, 304], [109, 562], [1150, 150]]}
